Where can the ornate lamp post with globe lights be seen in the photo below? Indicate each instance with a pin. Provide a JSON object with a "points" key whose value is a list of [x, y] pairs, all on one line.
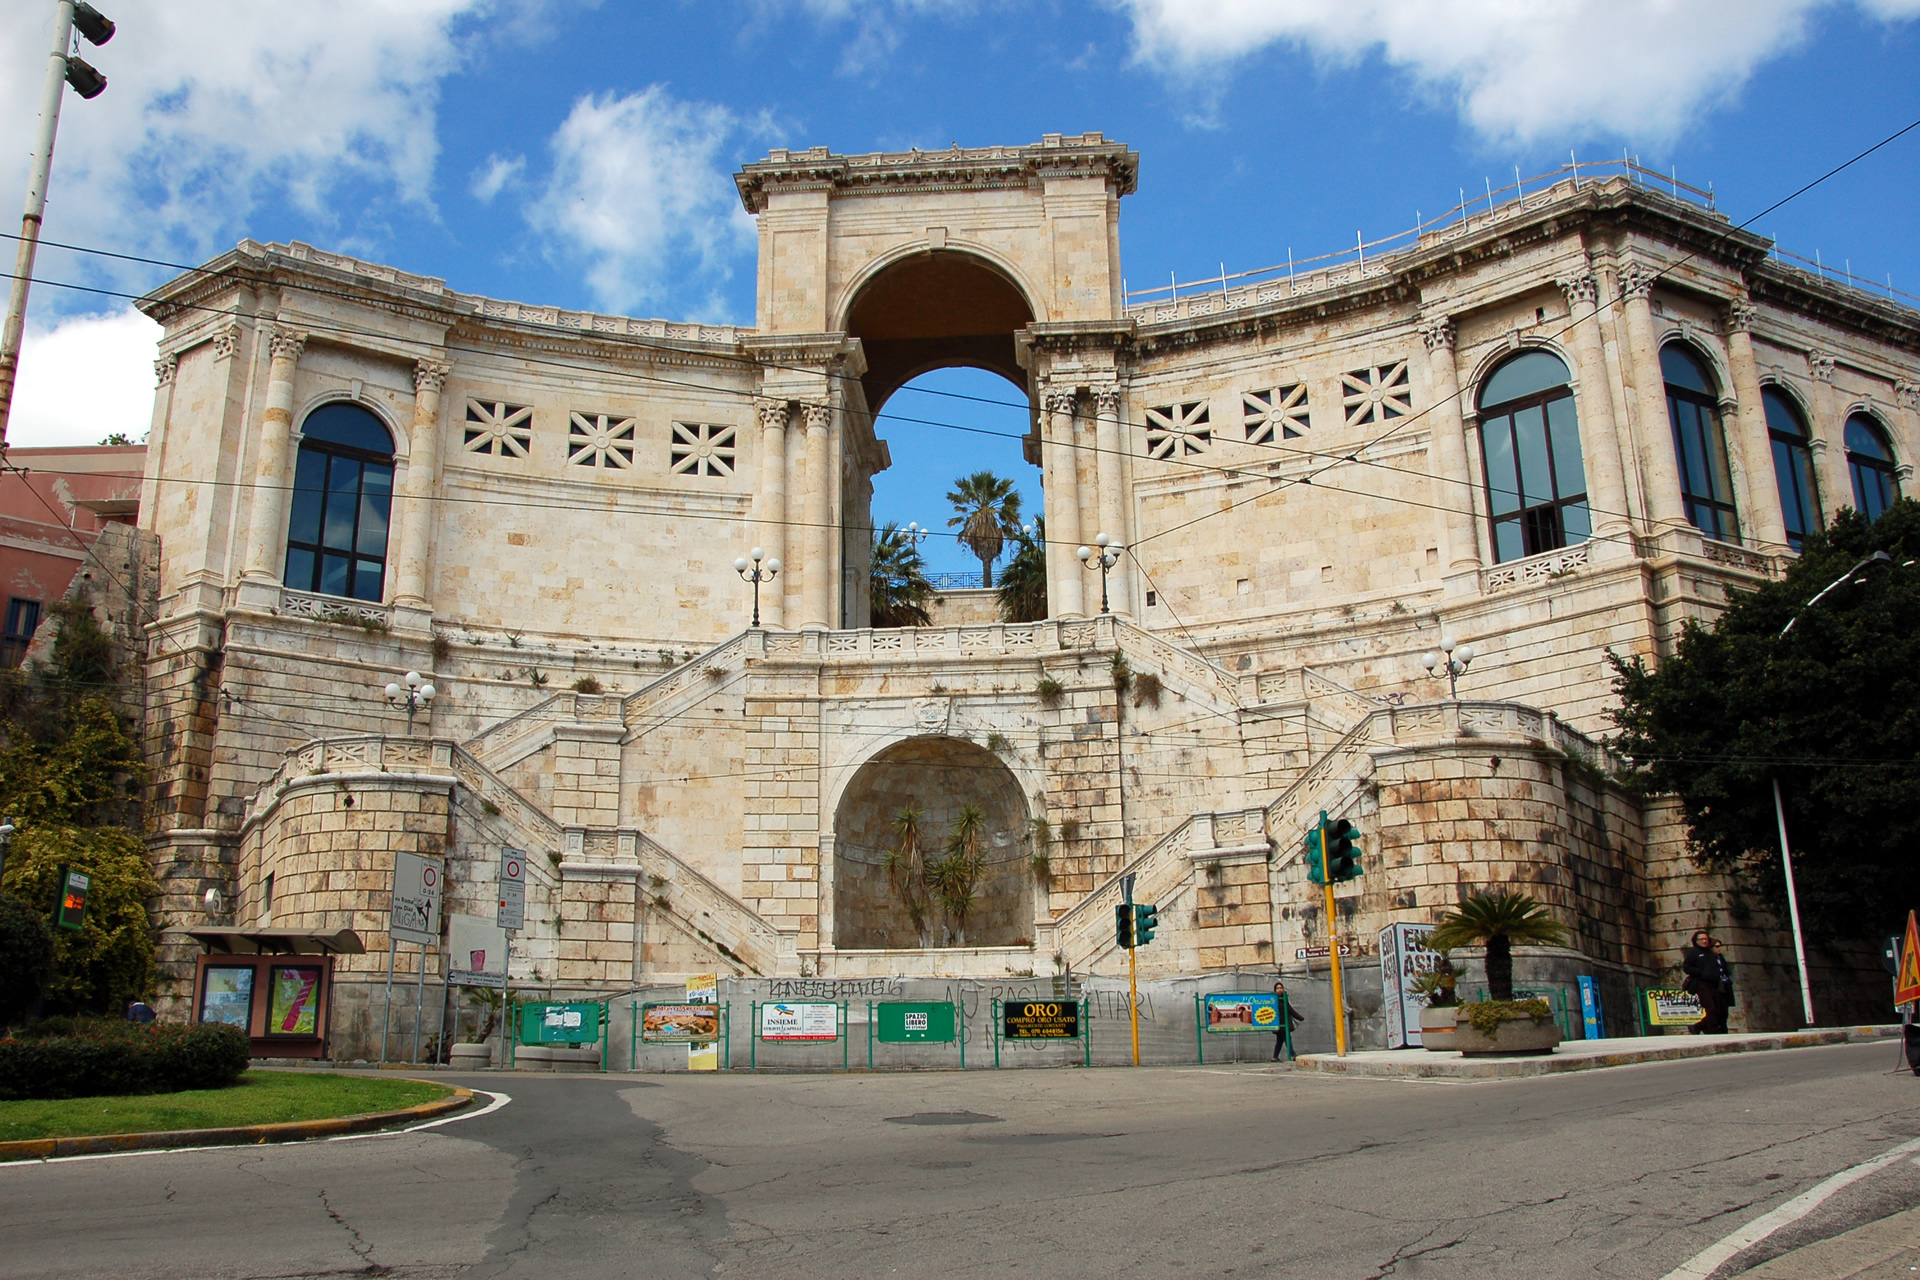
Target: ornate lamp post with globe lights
{"points": [[1449, 664], [1105, 552], [752, 570], [415, 695]]}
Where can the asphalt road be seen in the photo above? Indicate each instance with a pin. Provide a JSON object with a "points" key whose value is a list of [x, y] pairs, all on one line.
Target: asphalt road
{"points": [[1160, 1172]]}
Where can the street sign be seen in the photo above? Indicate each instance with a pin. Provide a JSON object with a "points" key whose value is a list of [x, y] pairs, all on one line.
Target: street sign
{"points": [[477, 950], [512, 914], [415, 913], [1906, 985], [72, 912], [914, 1021], [559, 1024], [791, 1020], [1040, 1020], [1321, 953]]}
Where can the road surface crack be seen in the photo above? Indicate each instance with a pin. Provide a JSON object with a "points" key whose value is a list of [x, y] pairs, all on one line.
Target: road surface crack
{"points": [[362, 1248]]}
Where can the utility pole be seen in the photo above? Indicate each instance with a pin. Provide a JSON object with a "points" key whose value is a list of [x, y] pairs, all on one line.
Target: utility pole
{"points": [[62, 69]]}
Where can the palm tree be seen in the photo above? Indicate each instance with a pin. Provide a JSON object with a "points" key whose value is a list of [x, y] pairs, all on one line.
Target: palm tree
{"points": [[954, 877], [987, 513], [1023, 583], [900, 586], [1497, 921]]}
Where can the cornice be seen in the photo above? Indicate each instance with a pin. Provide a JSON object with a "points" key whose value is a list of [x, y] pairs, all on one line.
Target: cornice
{"points": [[956, 169]]}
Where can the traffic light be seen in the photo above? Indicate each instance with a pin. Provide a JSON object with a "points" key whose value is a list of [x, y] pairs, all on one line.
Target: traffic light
{"points": [[1146, 918], [1123, 926], [1341, 841], [1316, 859]]}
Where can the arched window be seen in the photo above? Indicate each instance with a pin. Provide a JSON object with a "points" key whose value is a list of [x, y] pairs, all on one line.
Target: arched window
{"points": [[1530, 446], [1870, 461], [1792, 466], [342, 497], [1706, 482]]}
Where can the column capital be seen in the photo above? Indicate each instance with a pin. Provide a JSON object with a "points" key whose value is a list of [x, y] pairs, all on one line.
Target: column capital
{"points": [[164, 368], [819, 416], [1438, 333], [1581, 291], [226, 340], [1822, 365], [287, 343], [1636, 282], [1059, 400], [772, 413], [430, 375], [1908, 394], [1740, 316], [1106, 402]]}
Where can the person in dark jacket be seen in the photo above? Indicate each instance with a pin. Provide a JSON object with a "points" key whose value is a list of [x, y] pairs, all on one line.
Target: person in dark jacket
{"points": [[1293, 1019], [1708, 976]]}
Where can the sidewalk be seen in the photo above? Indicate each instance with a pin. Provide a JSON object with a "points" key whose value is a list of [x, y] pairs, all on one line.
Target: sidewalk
{"points": [[1577, 1055]]}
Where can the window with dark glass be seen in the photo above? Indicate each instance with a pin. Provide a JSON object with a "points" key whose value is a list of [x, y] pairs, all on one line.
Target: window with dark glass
{"points": [[23, 618], [1792, 466], [1700, 443], [342, 499], [1530, 447], [1870, 462]]}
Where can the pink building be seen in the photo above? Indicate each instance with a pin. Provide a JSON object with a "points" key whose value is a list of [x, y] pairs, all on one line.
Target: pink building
{"points": [[49, 518]]}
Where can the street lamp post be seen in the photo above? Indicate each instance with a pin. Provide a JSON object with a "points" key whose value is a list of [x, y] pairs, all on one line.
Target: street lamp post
{"points": [[1106, 552], [1780, 808], [751, 570], [63, 68], [1449, 664], [415, 695]]}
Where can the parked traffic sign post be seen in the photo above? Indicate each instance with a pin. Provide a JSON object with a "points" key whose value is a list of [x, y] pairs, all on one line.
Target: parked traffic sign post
{"points": [[511, 916], [413, 915]]}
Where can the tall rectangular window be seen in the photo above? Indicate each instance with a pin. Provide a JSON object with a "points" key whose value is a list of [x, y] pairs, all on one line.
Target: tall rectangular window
{"points": [[23, 619]]}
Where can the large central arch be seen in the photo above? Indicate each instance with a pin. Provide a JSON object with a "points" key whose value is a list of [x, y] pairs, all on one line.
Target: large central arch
{"points": [[936, 776], [935, 310]]}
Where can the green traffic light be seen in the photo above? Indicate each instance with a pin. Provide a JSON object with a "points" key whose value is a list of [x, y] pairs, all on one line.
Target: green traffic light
{"points": [[1146, 918], [1123, 926]]}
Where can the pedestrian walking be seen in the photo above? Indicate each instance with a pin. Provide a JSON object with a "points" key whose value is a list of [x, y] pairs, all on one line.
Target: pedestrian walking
{"points": [[1726, 984], [1710, 978], [1290, 1018]]}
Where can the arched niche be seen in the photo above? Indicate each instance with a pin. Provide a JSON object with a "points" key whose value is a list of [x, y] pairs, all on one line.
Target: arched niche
{"points": [[936, 310], [937, 776]]}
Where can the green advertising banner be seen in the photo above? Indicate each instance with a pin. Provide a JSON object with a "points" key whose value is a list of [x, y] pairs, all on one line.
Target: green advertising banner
{"points": [[559, 1024], [914, 1022]]}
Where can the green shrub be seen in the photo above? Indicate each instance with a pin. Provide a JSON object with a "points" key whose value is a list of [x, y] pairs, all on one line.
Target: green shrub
{"points": [[85, 1058], [26, 958]]}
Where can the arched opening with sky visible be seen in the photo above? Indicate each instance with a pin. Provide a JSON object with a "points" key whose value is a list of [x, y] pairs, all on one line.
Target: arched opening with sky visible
{"points": [[948, 394]]}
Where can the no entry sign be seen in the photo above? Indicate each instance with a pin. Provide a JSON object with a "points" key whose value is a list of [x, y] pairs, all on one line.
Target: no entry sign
{"points": [[513, 890]]}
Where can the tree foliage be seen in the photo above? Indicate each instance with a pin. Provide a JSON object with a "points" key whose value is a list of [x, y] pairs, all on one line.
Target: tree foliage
{"points": [[108, 962], [987, 513], [26, 959], [900, 589], [1023, 583], [1497, 921], [1830, 710]]}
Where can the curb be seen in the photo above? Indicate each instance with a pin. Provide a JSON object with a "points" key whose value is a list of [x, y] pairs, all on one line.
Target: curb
{"points": [[1556, 1064], [239, 1135]]}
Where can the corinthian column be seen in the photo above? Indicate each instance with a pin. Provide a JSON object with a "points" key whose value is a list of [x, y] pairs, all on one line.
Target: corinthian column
{"points": [[423, 470], [272, 465], [770, 502], [1829, 435], [1453, 482], [1761, 502], [816, 536], [1113, 496], [1065, 597], [1664, 505], [1599, 430]]}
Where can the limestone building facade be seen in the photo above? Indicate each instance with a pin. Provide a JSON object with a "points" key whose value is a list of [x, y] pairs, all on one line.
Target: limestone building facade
{"points": [[1558, 427]]}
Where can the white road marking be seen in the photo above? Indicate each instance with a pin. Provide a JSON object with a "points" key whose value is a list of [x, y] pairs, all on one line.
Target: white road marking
{"points": [[499, 1100], [1710, 1259]]}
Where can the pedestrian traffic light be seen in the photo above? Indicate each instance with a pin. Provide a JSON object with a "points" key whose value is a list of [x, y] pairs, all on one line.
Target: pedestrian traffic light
{"points": [[1316, 859], [1341, 842], [1123, 926], [1146, 918]]}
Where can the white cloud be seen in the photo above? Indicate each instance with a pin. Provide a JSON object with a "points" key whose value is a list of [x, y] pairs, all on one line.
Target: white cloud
{"points": [[642, 191], [85, 379], [1519, 70], [212, 104], [495, 174]]}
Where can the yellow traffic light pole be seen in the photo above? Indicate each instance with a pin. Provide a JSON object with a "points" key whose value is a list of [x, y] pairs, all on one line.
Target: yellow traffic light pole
{"points": [[1333, 947], [1133, 999]]}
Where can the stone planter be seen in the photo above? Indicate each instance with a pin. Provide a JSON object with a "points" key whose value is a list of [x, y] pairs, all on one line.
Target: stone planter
{"points": [[585, 1057], [1436, 1029], [533, 1057], [471, 1057], [1517, 1037]]}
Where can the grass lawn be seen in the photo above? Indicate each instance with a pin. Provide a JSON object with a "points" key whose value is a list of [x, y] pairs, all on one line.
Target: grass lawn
{"points": [[260, 1097]]}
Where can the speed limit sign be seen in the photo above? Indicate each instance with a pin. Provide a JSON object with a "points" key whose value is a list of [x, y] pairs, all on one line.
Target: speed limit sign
{"points": [[513, 890]]}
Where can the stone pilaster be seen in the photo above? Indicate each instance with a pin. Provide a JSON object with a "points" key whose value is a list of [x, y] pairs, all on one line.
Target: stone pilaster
{"points": [[423, 473], [1599, 426], [770, 503], [1829, 434], [274, 462], [1654, 429], [1453, 482], [1761, 503], [1113, 498], [816, 571], [1066, 593]]}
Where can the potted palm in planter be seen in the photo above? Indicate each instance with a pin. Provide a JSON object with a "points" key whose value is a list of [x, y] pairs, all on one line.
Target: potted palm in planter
{"points": [[1500, 1024]]}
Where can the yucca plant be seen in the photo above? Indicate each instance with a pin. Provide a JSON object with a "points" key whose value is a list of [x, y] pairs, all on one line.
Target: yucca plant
{"points": [[1497, 921], [907, 870], [954, 877]]}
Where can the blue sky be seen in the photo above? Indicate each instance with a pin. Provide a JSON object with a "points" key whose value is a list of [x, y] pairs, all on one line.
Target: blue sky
{"points": [[581, 155]]}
